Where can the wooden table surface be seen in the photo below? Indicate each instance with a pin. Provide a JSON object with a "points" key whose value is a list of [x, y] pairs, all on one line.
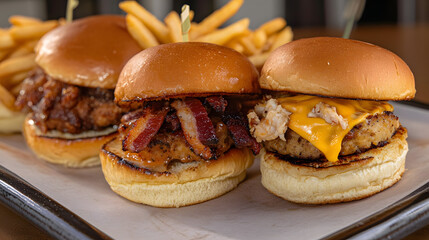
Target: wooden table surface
{"points": [[409, 42]]}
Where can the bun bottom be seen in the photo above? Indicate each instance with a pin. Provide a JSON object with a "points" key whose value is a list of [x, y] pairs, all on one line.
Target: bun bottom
{"points": [[185, 183], [75, 153], [372, 172]]}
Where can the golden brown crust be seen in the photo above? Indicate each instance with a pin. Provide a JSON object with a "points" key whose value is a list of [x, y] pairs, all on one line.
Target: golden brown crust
{"points": [[337, 67], [180, 69], [88, 52], [76, 153], [184, 184], [359, 176]]}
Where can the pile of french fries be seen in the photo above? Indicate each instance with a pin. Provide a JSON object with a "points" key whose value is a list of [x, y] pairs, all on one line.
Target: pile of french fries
{"points": [[17, 56], [257, 45]]}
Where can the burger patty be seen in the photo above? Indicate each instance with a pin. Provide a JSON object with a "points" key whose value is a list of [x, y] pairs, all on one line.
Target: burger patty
{"points": [[159, 134], [167, 147], [67, 108], [374, 131]]}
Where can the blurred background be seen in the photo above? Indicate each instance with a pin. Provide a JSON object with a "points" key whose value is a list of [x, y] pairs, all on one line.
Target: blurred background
{"points": [[304, 13], [401, 26]]}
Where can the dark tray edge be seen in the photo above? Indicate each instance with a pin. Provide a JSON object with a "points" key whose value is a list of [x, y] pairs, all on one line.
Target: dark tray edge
{"points": [[393, 222], [43, 211]]}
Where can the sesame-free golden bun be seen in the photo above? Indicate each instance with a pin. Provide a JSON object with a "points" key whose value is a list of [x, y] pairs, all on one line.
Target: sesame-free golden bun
{"points": [[337, 67], [364, 175], [89, 52], [185, 69], [69, 152], [184, 184]]}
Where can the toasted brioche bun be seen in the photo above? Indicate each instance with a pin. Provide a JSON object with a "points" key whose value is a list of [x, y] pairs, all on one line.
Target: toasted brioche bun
{"points": [[185, 184], [185, 69], [88, 52], [337, 67], [372, 172], [76, 152]]}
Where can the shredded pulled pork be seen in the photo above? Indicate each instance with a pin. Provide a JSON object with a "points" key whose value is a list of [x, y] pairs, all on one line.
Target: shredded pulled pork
{"points": [[268, 121], [329, 114]]}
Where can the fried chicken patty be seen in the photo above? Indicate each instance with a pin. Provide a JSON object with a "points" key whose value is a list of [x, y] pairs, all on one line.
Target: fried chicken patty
{"points": [[67, 108], [374, 131]]}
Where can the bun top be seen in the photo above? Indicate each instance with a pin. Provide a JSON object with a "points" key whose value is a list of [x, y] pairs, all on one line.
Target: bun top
{"points": [[184, 69], [337, 67], [88, 52]]}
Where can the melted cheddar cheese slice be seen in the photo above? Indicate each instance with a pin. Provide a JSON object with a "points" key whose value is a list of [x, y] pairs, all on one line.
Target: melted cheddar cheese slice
{"points": [[324, 136]]}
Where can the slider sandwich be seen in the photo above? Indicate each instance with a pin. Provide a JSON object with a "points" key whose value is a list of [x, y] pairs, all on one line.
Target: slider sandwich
{"points": [[328, 131], [187, 139], [70, 95]]}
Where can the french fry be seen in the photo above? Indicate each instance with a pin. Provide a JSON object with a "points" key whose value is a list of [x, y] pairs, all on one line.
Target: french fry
{"points": [[259, 38], [24, 49], [31, 44], [249, 47], [13, 80], [271, 39], [29, 32], [4, 53], [16, 89], [15, 65], [23, 21], [283, 37], [259, 59], [216, 19], [272, 26], [7, 98], [174, 25], [224, 35], [191, 15], [20, 51], [236, 46], [6, 41], [140, 32], [150, 21]]}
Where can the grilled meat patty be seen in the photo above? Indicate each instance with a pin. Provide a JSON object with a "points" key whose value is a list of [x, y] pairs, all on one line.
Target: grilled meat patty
{"points": [[374, 131], [155, 136]]}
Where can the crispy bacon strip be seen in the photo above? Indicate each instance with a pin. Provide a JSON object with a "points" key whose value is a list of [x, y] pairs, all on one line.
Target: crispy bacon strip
{"points": [[144, 128], [197, 126], [218, 103], [237, 126]]}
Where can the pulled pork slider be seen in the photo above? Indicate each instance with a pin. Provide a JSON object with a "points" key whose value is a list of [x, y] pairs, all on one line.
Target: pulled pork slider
{"points": [[187, 140], [328, 132], [71, 93]]}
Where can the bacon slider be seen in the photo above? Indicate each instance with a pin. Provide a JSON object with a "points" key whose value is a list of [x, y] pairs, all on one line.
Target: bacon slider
{"points": [[187, 140], [328, 131], [71, 93]]}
